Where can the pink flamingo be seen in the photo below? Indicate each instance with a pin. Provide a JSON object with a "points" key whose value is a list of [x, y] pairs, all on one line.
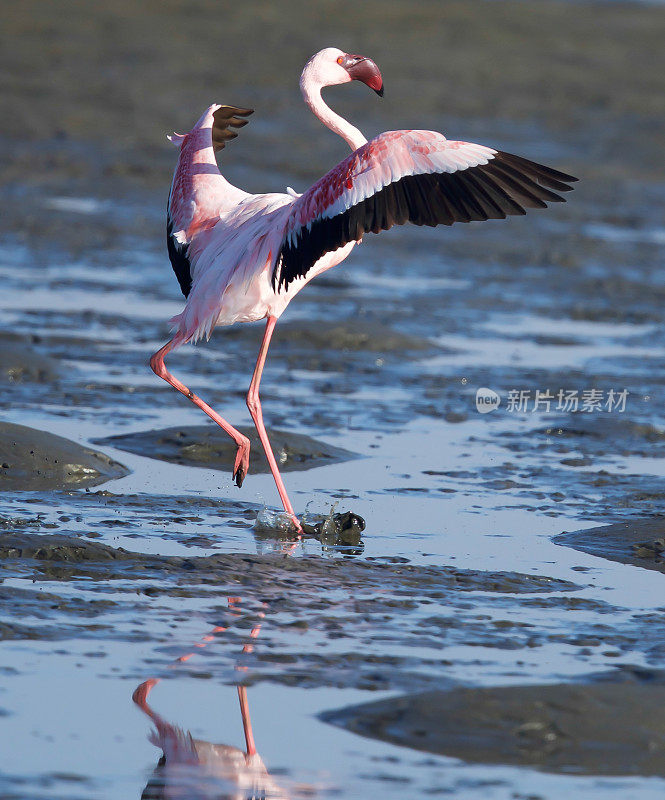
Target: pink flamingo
{"points": [[240, 257], [194, 769]]}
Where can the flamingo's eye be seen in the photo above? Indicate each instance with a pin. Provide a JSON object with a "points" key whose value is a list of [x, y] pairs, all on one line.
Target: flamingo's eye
{"points": [[340, 60]]}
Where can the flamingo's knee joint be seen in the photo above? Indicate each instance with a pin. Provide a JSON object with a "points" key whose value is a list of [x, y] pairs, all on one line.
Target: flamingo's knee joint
{"points": [[253, 404], [157, 366]]}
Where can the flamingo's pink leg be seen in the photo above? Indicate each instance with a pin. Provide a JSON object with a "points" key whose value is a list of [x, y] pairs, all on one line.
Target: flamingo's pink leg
{"points": [[250, 747], [254, 406], [241, 465]]}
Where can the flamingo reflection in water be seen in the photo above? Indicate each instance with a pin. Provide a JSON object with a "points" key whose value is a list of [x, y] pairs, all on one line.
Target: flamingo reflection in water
{"points": [[193, 769]]}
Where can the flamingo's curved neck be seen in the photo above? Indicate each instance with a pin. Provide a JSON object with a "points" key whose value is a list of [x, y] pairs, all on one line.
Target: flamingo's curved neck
{"points": [[311, 92]]}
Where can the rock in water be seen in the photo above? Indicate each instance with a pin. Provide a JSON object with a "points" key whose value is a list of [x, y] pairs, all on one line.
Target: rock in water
{"points": [[336, 530]]}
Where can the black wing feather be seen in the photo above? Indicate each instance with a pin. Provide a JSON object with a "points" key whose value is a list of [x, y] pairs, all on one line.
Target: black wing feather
{"points": [[179, 257], [506, 185], [227, 117]]}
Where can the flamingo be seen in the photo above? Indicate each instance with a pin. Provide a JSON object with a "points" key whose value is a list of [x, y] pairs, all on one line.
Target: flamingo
{"points": [[242, 257], [194, 769]]}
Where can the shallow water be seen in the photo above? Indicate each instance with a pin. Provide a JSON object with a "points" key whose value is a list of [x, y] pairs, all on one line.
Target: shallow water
{"points": [[459, 581]]}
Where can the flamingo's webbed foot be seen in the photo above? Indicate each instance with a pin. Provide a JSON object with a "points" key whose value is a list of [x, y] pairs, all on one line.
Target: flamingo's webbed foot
{"points": [[239, 476], [241, 464]]}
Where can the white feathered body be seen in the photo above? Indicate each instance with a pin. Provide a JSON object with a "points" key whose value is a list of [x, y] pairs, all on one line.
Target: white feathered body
{"points": [[242, 257]]}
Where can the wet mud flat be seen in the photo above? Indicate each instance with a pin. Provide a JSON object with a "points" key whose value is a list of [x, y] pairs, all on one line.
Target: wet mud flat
{"points": [[320, 621], [325, 602], [209, 446], [34, 460], [459, 602], [606, 728], [639, 542]]}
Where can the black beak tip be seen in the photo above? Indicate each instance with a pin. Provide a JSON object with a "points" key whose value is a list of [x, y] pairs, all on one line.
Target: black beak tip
{"points": [[379, 91]]}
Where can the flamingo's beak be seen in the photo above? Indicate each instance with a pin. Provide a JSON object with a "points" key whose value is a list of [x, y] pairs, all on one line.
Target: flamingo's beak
{"points": [[365, 70]]}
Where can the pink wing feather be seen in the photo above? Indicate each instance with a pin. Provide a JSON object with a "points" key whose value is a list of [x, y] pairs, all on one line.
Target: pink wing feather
{"points": [[380, 162], [409, 176]]}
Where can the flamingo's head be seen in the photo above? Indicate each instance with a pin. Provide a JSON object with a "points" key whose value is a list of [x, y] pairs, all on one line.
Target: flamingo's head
{"points": [[332, 66]]}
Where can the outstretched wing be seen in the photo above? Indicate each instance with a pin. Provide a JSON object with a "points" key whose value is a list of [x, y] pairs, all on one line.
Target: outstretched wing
{"points": [[409, 176]]}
